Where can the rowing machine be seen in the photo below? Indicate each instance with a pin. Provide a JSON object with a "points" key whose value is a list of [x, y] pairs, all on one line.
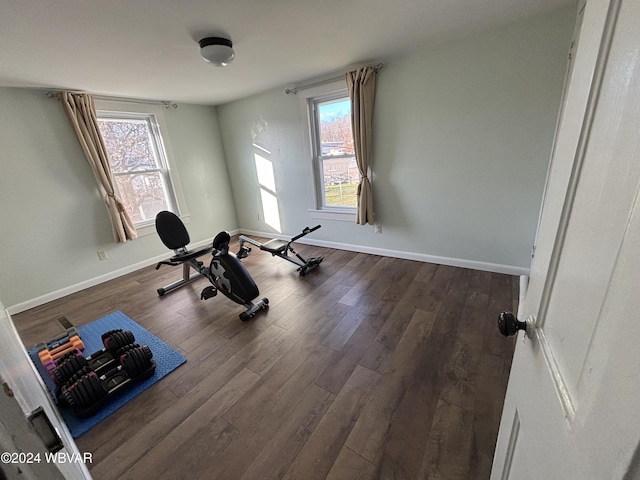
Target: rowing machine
{"points": [[278, 248]]}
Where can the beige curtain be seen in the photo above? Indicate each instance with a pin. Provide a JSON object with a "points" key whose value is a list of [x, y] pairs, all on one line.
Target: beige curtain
{"points": [[362, 86], [81, 112]]}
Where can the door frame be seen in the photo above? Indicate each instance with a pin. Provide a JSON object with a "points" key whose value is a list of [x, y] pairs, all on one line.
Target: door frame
{"points": [[23, 383]]}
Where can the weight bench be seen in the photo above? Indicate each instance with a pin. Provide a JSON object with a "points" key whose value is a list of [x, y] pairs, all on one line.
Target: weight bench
{"points": [[279, 248], [174, 235]]}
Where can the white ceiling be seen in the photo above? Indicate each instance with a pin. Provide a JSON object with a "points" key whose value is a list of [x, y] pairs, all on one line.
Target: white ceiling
{"points": [[148, 48]]}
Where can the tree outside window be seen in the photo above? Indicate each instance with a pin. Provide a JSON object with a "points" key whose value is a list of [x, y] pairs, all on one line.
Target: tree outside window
{"points": [[138, 164], [338, 175]]}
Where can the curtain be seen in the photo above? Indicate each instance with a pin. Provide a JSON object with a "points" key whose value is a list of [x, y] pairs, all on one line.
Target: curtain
{"points": [[362, 84], [81, 112]]}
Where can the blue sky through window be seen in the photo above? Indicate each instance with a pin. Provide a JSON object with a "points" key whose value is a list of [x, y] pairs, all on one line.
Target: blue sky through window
{"points": [[334, 110]]}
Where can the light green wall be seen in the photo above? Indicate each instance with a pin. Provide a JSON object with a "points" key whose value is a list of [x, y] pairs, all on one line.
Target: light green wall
{"points": [[463, 134], [53, 219], [273, 121], [199, 155]]}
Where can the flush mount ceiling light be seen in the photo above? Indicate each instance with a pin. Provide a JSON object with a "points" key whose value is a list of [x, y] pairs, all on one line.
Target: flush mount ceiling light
{"points": [[217, 50]]}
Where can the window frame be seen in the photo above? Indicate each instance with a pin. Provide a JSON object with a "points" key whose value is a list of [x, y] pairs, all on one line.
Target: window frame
{"points": [[309, 99], [154, 114]]}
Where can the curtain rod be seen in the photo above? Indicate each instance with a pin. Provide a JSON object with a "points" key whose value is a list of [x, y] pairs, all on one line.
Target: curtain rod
{"points": [[295, 90], [165, 104]]}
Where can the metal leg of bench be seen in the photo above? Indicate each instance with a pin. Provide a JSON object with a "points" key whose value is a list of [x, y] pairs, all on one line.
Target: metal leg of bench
{"points": [[186, 278]]}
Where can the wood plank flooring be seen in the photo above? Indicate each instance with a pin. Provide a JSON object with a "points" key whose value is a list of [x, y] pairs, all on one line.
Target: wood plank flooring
{"points": [[367, 368]]}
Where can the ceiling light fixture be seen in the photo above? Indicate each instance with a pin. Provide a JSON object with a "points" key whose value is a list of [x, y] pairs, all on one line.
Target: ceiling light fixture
{"points": [[217, 50]]}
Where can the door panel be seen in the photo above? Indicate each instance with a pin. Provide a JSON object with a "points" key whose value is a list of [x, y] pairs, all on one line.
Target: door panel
{"points": [[609, 387], [595, 233], [575, 374]]}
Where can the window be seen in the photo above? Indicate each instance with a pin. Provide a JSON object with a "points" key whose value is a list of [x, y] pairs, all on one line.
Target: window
{"points": [[138, 164], [336, 172]]}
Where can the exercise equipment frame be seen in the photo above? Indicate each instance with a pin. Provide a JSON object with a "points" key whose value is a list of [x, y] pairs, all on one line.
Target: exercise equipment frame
{"points": [[278, 248], [225, 271]]}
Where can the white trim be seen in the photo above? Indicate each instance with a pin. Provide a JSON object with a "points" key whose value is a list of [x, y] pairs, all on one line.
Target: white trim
{"points": [[511, 447], [19, 372], [524, 284], [331, 86], [149, 227], [339, 215], [561, 385], [314, 165], [157, 111], [92, 282], [419, 257]]}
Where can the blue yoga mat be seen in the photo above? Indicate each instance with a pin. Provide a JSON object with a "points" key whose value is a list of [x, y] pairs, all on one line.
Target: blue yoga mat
{"points": [[166, 358]]}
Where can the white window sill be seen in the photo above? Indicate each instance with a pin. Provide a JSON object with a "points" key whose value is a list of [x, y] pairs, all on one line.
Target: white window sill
{"points": [[149, 228], [340, 215]]}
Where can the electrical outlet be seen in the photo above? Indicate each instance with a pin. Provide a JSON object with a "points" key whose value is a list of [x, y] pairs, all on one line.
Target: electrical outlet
{"points": [[378, 228], [102, 254], [257, 217]]}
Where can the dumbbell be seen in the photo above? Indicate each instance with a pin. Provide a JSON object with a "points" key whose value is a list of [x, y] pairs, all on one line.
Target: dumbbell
{"points": [[115, 342], [55, 348]]}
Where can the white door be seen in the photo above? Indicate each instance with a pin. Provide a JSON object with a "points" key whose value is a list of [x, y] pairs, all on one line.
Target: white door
{"points": [[572, 409], [22, 392]]}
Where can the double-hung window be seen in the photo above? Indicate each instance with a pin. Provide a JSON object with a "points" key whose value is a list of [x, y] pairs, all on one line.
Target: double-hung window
{"points": [[139, 164], [335, 172]]}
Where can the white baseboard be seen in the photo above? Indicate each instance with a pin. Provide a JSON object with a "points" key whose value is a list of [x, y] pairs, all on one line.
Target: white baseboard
{"points": [[63, 292], [49, 297], [420, 257]]}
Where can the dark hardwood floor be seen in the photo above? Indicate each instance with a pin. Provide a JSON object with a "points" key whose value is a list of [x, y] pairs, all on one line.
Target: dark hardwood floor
{"points": [[369, 367]]}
